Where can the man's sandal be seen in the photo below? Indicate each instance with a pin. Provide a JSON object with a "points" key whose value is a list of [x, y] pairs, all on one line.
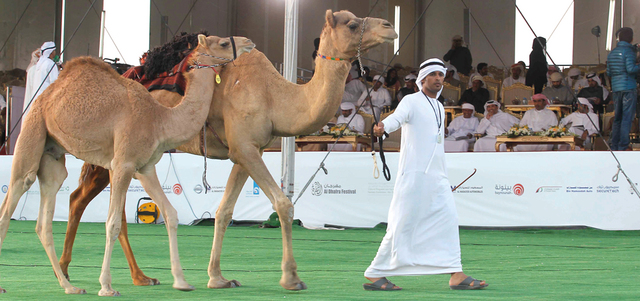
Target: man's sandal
{"points": [[466, 284], [377, 286]]}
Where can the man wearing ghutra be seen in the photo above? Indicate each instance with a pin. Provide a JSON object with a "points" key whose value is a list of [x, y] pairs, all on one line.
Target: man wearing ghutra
{"points": [[45, 73], [422, 232]]}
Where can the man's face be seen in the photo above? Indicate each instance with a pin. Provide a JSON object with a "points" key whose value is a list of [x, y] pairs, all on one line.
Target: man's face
{"points": [[450, 73], [492, 109], [433, 82], [516, 72], [52, 55], [575, 77], [411, 84], [539, 104], [377, 85], [484, 71], [466, 113], [592, 83], [556, 84], [457, 43], [584, 109], [346, 113], [476, 84]]}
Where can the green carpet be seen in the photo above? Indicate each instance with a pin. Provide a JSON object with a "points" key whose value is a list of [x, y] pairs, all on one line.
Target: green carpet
{"points": [[584, 264]]}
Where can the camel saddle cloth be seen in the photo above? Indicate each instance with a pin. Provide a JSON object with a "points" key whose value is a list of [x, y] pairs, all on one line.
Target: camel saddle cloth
{"points": [[172, 81]]}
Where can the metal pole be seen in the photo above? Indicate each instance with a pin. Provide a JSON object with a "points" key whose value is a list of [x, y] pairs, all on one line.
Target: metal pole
{"points": [[290, 63], [103, 20]]}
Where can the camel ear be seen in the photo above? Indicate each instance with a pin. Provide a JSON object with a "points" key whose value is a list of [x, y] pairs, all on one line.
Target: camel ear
{"points": [[202, 40], [330, 20]]}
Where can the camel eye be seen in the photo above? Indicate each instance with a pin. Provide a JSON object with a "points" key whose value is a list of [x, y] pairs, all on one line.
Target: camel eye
{"points": [[353, 26], [224, 44]]}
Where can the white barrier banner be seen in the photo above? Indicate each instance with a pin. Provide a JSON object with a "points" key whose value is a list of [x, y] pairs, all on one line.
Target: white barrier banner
{"points": [[508, 190]]}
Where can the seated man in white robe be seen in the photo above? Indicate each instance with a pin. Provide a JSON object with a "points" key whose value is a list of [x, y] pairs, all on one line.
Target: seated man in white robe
{"points": [[356, 125], [579, 123], [460, 131], [494, 123], [576, 80], [379, 97], [516, 76], [353, 89], [538, 119]]}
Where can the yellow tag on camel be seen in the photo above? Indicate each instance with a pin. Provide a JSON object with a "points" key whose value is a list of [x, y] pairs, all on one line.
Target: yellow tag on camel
{"points": [[217, 78]]}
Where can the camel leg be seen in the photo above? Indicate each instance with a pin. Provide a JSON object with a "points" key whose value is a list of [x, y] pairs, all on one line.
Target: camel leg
{"points": [[138, 277], [51, 175], [149, 180], [92, 182], [120, 178], [24, 169], [224, 213], [251, 160]]}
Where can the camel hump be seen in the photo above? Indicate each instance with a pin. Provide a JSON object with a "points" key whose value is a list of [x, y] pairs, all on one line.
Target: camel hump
{"points": [[83, 63]]}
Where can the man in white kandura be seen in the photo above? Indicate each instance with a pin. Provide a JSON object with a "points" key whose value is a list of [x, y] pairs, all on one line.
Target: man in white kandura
{"points": [[348, 111], [579, 123], [460, 131], [422, 231], [538, 119], [45, 73], [380, 97], [494, 123]]}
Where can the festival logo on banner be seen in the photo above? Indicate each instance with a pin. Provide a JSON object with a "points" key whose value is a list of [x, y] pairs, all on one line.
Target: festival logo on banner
{"points": [[64, 190], [548, 189], [254, 191], [5, 188], [469, 189], [517, 189], [198, 189], [581, 189], [318, 189], [177, 189], [608, 189]]}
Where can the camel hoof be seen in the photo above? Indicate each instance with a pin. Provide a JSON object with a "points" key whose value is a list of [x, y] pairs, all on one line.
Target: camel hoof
{"points": [[75, 291], [297, 287], [146, 281], [223, 284], [184, 288], [108, 293]]}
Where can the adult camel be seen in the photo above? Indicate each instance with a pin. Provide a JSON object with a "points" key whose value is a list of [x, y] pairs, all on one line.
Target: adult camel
{"points": [[254, 106], [104, 119]]}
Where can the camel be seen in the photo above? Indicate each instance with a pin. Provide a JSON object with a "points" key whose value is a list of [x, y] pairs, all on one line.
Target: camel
{"points": [[109, 121], [254, 106]]}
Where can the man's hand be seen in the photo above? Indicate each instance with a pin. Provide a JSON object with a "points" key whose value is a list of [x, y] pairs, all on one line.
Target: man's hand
{"points": [[584, 135], [469, 135], [488, 116], [378, 129]]}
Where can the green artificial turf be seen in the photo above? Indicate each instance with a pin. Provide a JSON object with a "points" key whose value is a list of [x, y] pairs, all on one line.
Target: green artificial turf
{"points": [[583, 264]]}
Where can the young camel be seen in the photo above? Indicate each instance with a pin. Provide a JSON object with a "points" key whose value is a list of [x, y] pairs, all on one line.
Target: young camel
{"points": [[109, 121], [253, 107]]}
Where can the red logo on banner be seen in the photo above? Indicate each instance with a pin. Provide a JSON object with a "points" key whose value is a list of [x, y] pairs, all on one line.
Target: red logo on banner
{"points": [[177, 189], [518, 189]]}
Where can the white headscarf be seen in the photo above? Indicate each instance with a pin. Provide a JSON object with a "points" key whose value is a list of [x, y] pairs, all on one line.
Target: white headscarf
{"points": [[46, 49], [427, 67], [469, 106], [348, 106], [574, 72], [35, 56], [586, 102], [454, 69], [378, 78], [491, 102], [480, 78]]}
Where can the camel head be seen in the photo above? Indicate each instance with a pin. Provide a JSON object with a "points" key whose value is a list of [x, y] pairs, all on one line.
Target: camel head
{"points": [[221, 48], [342, 31]]}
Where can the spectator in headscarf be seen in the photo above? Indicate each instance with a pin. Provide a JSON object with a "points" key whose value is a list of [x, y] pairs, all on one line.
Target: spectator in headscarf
{"points": [[575, 80], [558, 93], [477, 95], [482, 70], [460, 130], [410, 87], [44, 73], [595, 93], [537, 75], [582, 123], [378, 97], [517, 73], [459, 55]]}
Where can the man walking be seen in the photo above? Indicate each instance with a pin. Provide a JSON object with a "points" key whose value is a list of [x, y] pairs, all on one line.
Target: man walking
{"points": [[622, 69], [422, 232]]}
